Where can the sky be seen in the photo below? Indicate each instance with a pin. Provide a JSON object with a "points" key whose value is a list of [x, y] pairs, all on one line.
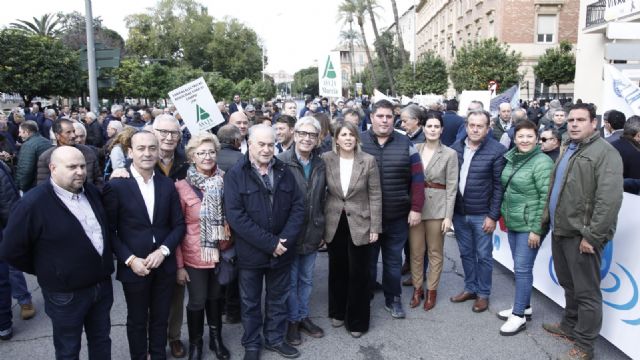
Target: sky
{"points": [[295, 32]]}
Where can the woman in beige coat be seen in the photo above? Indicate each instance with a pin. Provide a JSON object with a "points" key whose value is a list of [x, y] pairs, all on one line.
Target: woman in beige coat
{"points": [[353, 211], [440, 186]]}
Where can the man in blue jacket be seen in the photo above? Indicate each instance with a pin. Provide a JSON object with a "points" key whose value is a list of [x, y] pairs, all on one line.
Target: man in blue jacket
{"points": [[265, 209], [477, 206]]}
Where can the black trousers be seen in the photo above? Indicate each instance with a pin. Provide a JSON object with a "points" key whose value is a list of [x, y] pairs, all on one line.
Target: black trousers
{"points": [[349, 279], [148, 303], [202, 287], [579, 276]]}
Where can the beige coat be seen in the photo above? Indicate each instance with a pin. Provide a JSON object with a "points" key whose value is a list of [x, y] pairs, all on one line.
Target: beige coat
{"points": [[441, 169], [363, 203]]}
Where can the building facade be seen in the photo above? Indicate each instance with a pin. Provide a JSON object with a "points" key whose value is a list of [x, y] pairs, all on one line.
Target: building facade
{"points": [[527, 26], [407, 23]]}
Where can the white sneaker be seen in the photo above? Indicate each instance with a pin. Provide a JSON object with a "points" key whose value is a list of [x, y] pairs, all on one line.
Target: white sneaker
{"points": [[504, 314], [513, 325]]}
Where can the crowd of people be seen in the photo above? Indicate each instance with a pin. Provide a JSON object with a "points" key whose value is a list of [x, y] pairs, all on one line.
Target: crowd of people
{"points": [[241, 211]]}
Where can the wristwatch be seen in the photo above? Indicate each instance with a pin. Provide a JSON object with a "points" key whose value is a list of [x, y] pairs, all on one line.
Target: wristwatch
{"points": [[164, 250]]}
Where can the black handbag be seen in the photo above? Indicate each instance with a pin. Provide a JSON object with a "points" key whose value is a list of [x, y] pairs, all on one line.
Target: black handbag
{"points": [[226, 269]]}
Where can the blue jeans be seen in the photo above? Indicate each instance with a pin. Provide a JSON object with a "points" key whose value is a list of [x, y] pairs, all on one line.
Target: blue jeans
{"points": [[475, 252], [301, 285], [390, 242], [523, 259], [71, 311], [5, 297], [277, 282], [19, 289]]}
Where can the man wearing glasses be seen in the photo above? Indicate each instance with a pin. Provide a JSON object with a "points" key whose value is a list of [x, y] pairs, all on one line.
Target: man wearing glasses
{"points": [[550, 143]]}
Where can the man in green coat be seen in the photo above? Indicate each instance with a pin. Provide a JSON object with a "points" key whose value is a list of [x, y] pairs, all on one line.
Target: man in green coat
{"points": [[582, 211], [33, 146]]}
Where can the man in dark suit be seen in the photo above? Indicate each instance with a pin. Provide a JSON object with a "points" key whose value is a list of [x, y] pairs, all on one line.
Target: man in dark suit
{"points": [[237, 104], [452, 123], [58, 231], [147, 224]]}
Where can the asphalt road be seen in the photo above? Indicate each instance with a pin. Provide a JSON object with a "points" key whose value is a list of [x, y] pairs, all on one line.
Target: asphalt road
{"points": [[449, 331]]}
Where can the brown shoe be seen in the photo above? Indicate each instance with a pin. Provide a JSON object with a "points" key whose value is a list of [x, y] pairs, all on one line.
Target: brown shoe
{"points": [[480, 305], [556, 330], [418, 295], [431, 300], [463, 296], [407, 282], [575, 354], [27, 311], [177, 349]]}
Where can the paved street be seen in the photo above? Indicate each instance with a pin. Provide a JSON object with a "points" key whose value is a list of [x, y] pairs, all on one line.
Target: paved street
{"points": [[450, 331]]}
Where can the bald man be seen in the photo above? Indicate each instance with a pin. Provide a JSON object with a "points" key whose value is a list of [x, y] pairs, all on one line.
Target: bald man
{"points": [[240, 120], [58, 232]]}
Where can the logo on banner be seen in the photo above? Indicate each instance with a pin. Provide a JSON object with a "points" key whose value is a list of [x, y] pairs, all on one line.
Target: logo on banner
{"points": [[201, 113], [605, 266], [329, 71]]}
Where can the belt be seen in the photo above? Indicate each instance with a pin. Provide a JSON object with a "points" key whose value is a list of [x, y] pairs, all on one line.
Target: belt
{"points": [[432, 185]]}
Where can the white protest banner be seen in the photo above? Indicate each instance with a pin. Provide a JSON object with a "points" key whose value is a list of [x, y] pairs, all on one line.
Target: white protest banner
{"points": [[196, 106], [619, 274], [616, 9], [467, 96], [330, 75], [619, 92]]}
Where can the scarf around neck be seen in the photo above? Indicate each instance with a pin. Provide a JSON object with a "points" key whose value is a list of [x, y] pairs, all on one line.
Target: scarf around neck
{"points": [[212, 219]]}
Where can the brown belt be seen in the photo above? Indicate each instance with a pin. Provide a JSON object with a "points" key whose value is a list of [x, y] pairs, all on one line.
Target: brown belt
{"points": [[433, 185]]}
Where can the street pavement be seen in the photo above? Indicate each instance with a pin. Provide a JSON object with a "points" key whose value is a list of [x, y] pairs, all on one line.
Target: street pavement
{"points": [[449, 331]]}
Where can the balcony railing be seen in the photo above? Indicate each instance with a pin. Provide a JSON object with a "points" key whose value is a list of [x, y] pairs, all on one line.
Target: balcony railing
{"points": [[595, 13]]}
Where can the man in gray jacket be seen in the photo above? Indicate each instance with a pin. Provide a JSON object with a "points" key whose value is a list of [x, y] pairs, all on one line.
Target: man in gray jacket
{"points": [[582, 210]]}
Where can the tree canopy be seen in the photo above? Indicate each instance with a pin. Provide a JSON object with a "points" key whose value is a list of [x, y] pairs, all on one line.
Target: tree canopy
{"points": [[37, 66], [477, 63], [430, 76], [306, 82], [557, 66]]}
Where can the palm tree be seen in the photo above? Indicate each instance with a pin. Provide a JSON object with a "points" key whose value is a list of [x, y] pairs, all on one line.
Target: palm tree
{"points": [[45, 26], [382, 52], [394, 6], [349, 37], [349, 10]]}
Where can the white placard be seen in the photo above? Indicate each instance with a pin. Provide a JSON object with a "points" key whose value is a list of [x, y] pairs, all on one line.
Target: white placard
{"points": [[619, 92], [467, 96], [196, 106], [616, 9], [620, 273], [330, 75]]}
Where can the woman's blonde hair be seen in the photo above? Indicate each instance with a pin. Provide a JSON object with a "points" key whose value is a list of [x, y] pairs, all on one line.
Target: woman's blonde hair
{"points": [[200, 139]]}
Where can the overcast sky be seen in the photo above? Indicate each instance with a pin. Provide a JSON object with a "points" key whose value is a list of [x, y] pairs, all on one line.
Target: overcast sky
{"points": [[295, 32]]}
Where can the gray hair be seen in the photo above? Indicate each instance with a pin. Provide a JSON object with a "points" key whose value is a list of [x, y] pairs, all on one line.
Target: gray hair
{"points": [[116, 125], [50, 113], [79, 126], [166, 117], [115, 108], [518, 115], [260, 128], [504, 103], [632, 126], [229, 134], [308, 120], [91, 115], [414, 111]]}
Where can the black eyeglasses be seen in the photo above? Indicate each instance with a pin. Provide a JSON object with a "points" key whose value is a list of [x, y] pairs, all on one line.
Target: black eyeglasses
{"points": [[304, 134], [544, 139]]}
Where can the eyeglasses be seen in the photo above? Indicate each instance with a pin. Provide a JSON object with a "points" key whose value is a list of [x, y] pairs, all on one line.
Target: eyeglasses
{"points": [[167, 133], [205, 154], [542, 139], [304, 134]]}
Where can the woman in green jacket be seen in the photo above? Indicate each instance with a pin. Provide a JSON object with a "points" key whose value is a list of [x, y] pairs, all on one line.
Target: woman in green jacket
{"points": [[525, 179]]}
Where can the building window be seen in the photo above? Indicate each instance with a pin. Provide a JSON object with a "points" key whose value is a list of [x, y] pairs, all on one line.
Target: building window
{"points": [[360, 59], [546, 28]]}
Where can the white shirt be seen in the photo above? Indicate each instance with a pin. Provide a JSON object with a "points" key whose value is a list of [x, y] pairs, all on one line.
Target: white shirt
{"points": [[80, 207], [147, 189], [244, 146], [346, 167], [466, 163]]}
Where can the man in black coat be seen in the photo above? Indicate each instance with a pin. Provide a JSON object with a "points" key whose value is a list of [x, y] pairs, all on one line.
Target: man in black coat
{"points": [[58, 231], [628, 145], [146, 224], [452, 123]]}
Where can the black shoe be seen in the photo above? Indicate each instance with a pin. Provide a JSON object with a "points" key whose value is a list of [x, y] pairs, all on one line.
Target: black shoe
{"points": [[284, 349], [311, 329], [293, 333], [195, 325], [6, 334], [251, 355], [214, 317]]}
